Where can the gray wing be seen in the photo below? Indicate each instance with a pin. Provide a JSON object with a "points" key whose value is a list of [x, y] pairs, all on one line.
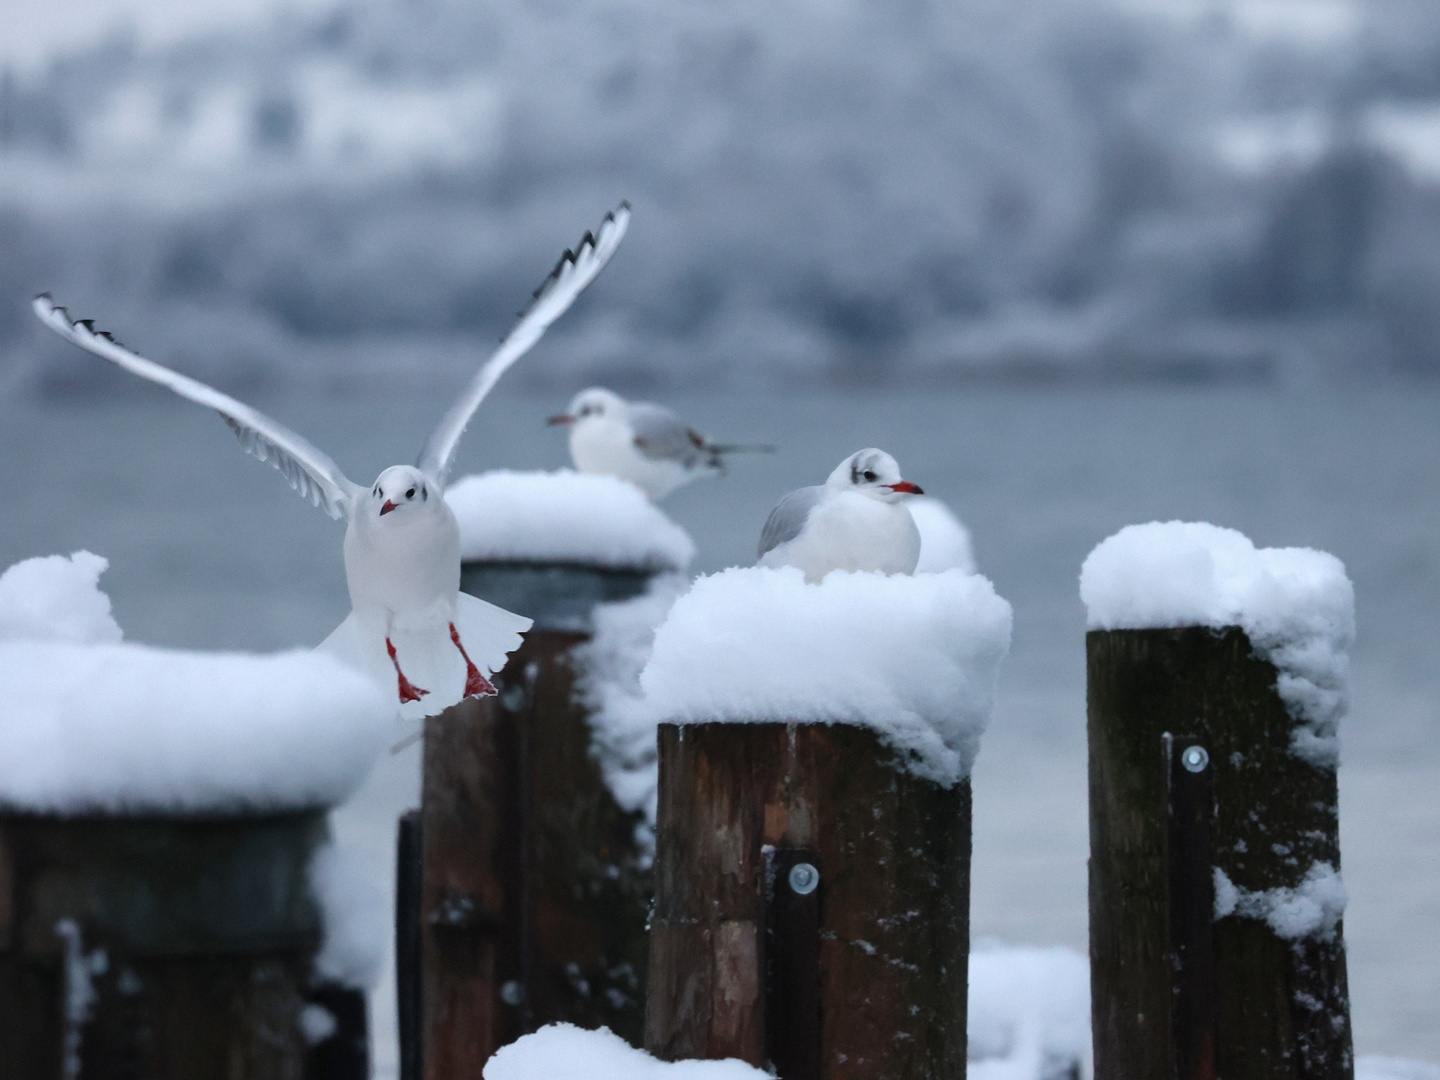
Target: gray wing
{"points": [[788, 518], [309, 471], [661, 436], [556, 293]]}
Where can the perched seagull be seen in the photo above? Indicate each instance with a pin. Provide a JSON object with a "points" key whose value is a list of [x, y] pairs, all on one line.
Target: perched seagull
{"points": [[854, 521], [402, 543], [641, 442]]}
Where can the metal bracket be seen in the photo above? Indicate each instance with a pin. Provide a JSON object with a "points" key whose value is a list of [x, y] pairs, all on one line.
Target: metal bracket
{"points": [[793, 889], [1190, 805]]}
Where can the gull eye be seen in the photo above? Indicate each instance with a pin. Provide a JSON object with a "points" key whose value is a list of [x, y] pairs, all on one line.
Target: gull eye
{"points": [[869, 475], [410, 494]]}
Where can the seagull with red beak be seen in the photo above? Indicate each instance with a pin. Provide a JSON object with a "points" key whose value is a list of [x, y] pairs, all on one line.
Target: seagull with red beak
{"points": [[856, 520], [409, 622]]}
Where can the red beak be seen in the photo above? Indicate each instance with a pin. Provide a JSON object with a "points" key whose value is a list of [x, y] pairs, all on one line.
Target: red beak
{"points": [[907, 488], [560, 418], [389, 505]]}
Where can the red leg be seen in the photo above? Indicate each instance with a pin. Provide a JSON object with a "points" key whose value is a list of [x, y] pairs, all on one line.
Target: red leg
{"points": [[476, 685], [408, 691]]}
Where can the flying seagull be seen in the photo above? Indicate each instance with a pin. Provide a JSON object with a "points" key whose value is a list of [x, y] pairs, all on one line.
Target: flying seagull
{"points": [[854, 521], [639, 441], [402, 542]]}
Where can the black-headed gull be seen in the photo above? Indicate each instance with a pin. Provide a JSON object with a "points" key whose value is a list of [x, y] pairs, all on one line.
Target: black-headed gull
{"points": [[854, 521], [641, 442], [402, 543]]}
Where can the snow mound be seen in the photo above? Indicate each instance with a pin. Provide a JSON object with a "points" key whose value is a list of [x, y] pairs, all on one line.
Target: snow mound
{"points": [[944, 539], [104, 726], [55, 598], [915, 658], [1296, 605], [566, 1052], [1029, 1013], [1311, 909], [356, 917], [609, 666], [565, 517]]}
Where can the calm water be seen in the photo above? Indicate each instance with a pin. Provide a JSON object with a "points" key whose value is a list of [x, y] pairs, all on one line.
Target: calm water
{"points": [[210, 550]]}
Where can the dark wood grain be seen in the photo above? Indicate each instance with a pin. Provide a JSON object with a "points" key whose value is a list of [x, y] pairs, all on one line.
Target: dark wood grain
{"points": [[894, 852], [1282, 1008], [533, 875], [198, 935]]}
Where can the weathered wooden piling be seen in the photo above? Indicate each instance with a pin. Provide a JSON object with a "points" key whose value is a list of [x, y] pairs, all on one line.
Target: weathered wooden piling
{"points": [[811, 907], [155, 948], [1176, 991], [534, 886]]}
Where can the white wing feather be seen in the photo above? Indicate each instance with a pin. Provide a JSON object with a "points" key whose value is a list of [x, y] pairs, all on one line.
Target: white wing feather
{"points": [[556, 293], [309, 471]]}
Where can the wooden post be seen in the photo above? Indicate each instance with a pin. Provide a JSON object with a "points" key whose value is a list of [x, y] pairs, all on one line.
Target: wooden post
{"points": [[812, 905], [535, 889], [409, 892], [156, 948], [1273, 1008]]}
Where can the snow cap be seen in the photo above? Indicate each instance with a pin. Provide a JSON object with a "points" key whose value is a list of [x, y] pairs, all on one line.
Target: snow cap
{"points": [[105, 726], [1296, 605], [565, 517], [914, 657], [55, 598], [566, 1052]]}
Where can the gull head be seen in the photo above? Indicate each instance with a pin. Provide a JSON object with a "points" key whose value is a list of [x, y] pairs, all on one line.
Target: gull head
{"points": [[400, 487], [596, 403], [874, 473]]}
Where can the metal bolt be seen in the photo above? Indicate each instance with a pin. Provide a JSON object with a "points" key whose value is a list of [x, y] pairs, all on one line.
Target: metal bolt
{"points": [[804, 878], [511, 992], [1195, 758]]}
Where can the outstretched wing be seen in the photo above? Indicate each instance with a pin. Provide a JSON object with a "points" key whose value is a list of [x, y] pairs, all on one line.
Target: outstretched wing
{"points": [[309, 471], [575, 270]]}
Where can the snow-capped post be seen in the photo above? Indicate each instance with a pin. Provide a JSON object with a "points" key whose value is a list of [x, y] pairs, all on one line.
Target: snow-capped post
{"points": [[1216, 677], [812, 868], [536, 881], [170, 902]]}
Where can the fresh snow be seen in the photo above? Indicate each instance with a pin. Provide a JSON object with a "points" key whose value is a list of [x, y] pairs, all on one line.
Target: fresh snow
{"points": [[609, 667], [113, 727], [566, 1052], [1296, 605], [1029, 1013], [914, 657], [944, 539], [1311, 909], [356, 916], [57, 598], [565, 517]]}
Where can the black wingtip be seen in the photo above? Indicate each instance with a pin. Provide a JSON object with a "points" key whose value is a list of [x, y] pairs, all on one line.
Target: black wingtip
{"points": [[88, 324], [44, 296]]}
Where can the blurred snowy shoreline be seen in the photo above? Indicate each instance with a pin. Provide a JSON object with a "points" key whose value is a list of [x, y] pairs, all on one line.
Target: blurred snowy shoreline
{"points": [[1050, 191]]}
